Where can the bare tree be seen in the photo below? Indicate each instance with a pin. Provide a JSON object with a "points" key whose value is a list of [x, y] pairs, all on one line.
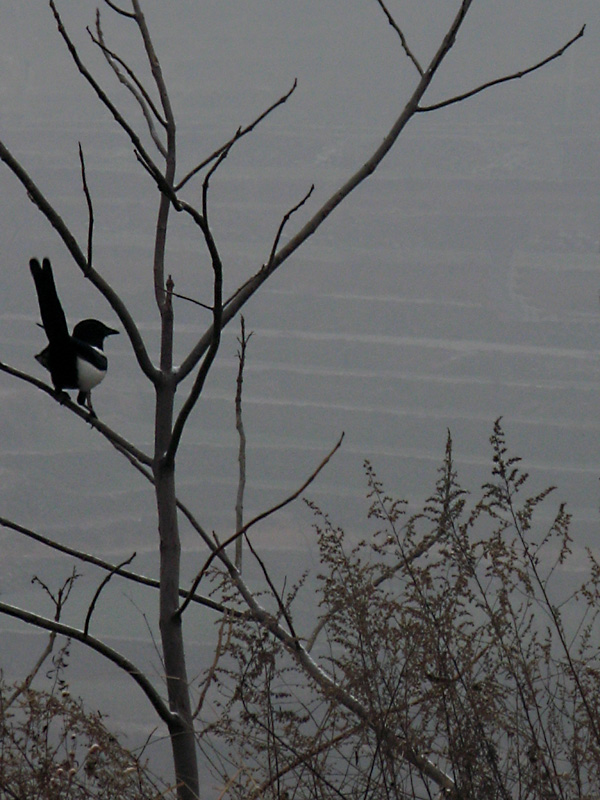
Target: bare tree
{"points": [[158, 467]]}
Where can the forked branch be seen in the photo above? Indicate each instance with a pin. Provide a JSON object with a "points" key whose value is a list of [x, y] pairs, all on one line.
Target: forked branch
{"points": [[100, 93], [88, 558], [239, 298], [248, 289]]}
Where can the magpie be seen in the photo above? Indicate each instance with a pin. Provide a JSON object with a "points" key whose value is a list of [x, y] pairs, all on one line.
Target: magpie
{"points": [[77, 361]]}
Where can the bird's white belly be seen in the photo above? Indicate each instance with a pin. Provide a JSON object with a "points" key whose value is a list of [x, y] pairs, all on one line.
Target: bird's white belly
{"points": [[88, 375]]}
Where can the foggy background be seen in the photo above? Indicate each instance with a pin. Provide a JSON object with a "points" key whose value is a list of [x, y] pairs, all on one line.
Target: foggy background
{"points": [[458, 284]]}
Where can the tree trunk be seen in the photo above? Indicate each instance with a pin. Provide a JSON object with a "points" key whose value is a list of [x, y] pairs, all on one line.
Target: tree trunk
{"points": [[183, 742]]}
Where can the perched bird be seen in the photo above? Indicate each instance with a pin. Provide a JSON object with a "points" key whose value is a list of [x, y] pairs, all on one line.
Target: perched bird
{"points": [[77, 361]]}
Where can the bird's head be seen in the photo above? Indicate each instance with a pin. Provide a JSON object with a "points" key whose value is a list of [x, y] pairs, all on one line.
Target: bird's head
{"points": [[93, 332]]}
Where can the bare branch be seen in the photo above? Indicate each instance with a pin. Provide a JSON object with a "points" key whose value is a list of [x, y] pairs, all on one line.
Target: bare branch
{"points": [[169, 120], [36, 197], [103, 583], [201, 220], [240, 133], [162, 300], [63, 399], [191, 300], [59, 601], [59, 598], [88, 199], [277, 595], [25, 684], [219, 650], [514, 76], [239, 424], [403, 41], [101, 94], [215, 338], [144, 156], [103, 649], [120, 11], [248, 289], [147, 103], [135, 577], [218, 551], [284, 222], [133, 84]]}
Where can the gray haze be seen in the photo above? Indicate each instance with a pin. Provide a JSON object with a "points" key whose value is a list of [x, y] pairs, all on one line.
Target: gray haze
{"points": [[460, 283]]}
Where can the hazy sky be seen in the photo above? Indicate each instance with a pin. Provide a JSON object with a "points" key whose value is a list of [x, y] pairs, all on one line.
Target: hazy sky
{"points": [[460, 283]]}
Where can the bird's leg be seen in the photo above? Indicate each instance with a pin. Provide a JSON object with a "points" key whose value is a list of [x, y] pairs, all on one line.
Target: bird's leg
{"points": [[85, 399]]}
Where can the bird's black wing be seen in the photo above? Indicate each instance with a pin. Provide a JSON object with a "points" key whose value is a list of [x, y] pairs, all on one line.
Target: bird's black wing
{"points": [[53, 316]]}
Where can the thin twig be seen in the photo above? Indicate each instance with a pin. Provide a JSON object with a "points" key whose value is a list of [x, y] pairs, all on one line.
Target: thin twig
{"points": [[24, 685], [239, 424], [133, 84], [163, 302], [218, 551], [206, 182], [88, 199], [241, 132], [514, 76], [59, 601], [140, 86], [284, 222], [277, 595], [121, 11], [189, 299], [219, 650], [306, 759], [103, 583], [403, 41], [155, 67], [101, 94], [302, 758]]}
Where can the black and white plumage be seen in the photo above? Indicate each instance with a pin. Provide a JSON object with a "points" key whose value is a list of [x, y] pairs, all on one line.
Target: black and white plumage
{"points": [[74, 361]]}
